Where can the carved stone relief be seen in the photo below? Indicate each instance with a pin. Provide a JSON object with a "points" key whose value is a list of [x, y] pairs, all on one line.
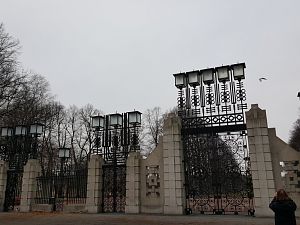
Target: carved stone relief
{"points": [[152, 181], [291, 175]]}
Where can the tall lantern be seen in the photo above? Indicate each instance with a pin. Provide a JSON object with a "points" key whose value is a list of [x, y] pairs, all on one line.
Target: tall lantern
{"points": [[115, 120], [223, 73], [238, 71], [97, 121], [134, 117], [180, 80], [207, 76], [36, 128], [21, 130], [193, 78], [64, 153], [6, 132]]}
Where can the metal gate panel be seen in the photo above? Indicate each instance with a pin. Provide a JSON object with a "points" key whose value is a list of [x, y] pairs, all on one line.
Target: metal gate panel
{"points": [[218, 178], [61, 188], [114, 188], [13, 190]]}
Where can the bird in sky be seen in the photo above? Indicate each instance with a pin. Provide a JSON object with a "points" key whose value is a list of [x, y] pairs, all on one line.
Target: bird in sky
{"points": [[262, 78]]}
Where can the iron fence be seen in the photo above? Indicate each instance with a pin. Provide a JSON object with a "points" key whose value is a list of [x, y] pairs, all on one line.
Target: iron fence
{"points": [[62, 187]]}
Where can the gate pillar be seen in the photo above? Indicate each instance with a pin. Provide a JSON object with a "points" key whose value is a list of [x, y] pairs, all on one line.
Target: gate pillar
{"points": [[174, 192], [32, 170], [133, 180], [261, 160], [94, 184], [3, 177]]}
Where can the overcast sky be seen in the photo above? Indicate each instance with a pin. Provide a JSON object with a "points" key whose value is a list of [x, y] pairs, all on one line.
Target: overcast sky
{"points": [[120, 55]]}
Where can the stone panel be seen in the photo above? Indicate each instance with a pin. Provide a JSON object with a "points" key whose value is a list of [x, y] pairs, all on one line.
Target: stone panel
{"points": [[32, 170], [94, 184]]}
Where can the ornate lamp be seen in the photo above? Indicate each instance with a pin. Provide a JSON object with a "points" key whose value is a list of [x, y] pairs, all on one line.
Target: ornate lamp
{"points": [[6, 132], [223, 73], [238, 71], [207, 75], [134, 117], [36, 128], [193, 78], [64, 152], [21, 130], [97, 121], [115, 120], [180, 80]]}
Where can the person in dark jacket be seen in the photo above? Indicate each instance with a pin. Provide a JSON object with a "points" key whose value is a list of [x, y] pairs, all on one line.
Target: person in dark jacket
{"points": [[284, 208]]}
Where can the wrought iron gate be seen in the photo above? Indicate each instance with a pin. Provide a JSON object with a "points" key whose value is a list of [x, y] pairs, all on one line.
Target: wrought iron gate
{"points": [[15, 151], [60, 188], [13, 190], [114, 188], [218, 178], [211, 105], [115, 136]]}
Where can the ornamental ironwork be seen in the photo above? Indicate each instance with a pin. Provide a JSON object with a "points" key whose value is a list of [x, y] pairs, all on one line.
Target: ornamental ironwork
{"points": [[213, 97], [17, 145], [211, 104], [116, 135], [114, 188], [64, 186]]}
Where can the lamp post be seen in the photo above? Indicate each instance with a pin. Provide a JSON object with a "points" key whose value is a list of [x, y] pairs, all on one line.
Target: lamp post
{"points": [[97, 125], [134, 121], [116, 131], [17, 151], [63, 154], [35, 130], [115, 136], [22, 133]]}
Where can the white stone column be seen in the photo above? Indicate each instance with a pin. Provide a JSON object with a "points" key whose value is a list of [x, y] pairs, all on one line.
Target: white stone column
{"points": [[3, 177], [133, 183], [94, 185], [32, 170], [261, 160], [174, 192]]}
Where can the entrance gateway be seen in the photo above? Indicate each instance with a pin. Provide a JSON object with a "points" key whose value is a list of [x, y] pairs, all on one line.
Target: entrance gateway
{"points": [[211, 104]]}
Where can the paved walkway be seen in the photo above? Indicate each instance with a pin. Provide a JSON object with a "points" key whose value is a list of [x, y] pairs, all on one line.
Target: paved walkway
{"points": [[122, 219]]}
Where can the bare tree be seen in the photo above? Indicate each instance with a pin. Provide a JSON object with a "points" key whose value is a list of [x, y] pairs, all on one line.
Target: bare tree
{"points": [[152, 129], [85, 137], [294, 140], [10, 78], [52, 136]]}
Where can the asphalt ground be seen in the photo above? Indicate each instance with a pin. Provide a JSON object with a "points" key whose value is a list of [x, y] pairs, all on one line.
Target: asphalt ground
{"points": [[17, 218]]}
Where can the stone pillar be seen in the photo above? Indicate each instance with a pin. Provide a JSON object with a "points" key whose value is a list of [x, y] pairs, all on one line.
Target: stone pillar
{"points": [[3, 177], [133, 180], [174, 192], [32, 170], [94, 184], [261, 160]]}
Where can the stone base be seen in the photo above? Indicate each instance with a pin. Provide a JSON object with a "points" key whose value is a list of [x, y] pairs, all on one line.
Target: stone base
{"points": [[92, 209], [263, 212], [75, 208], [173, 210], [152, 209], [25, 208], [42, 208], [132, 209]]}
